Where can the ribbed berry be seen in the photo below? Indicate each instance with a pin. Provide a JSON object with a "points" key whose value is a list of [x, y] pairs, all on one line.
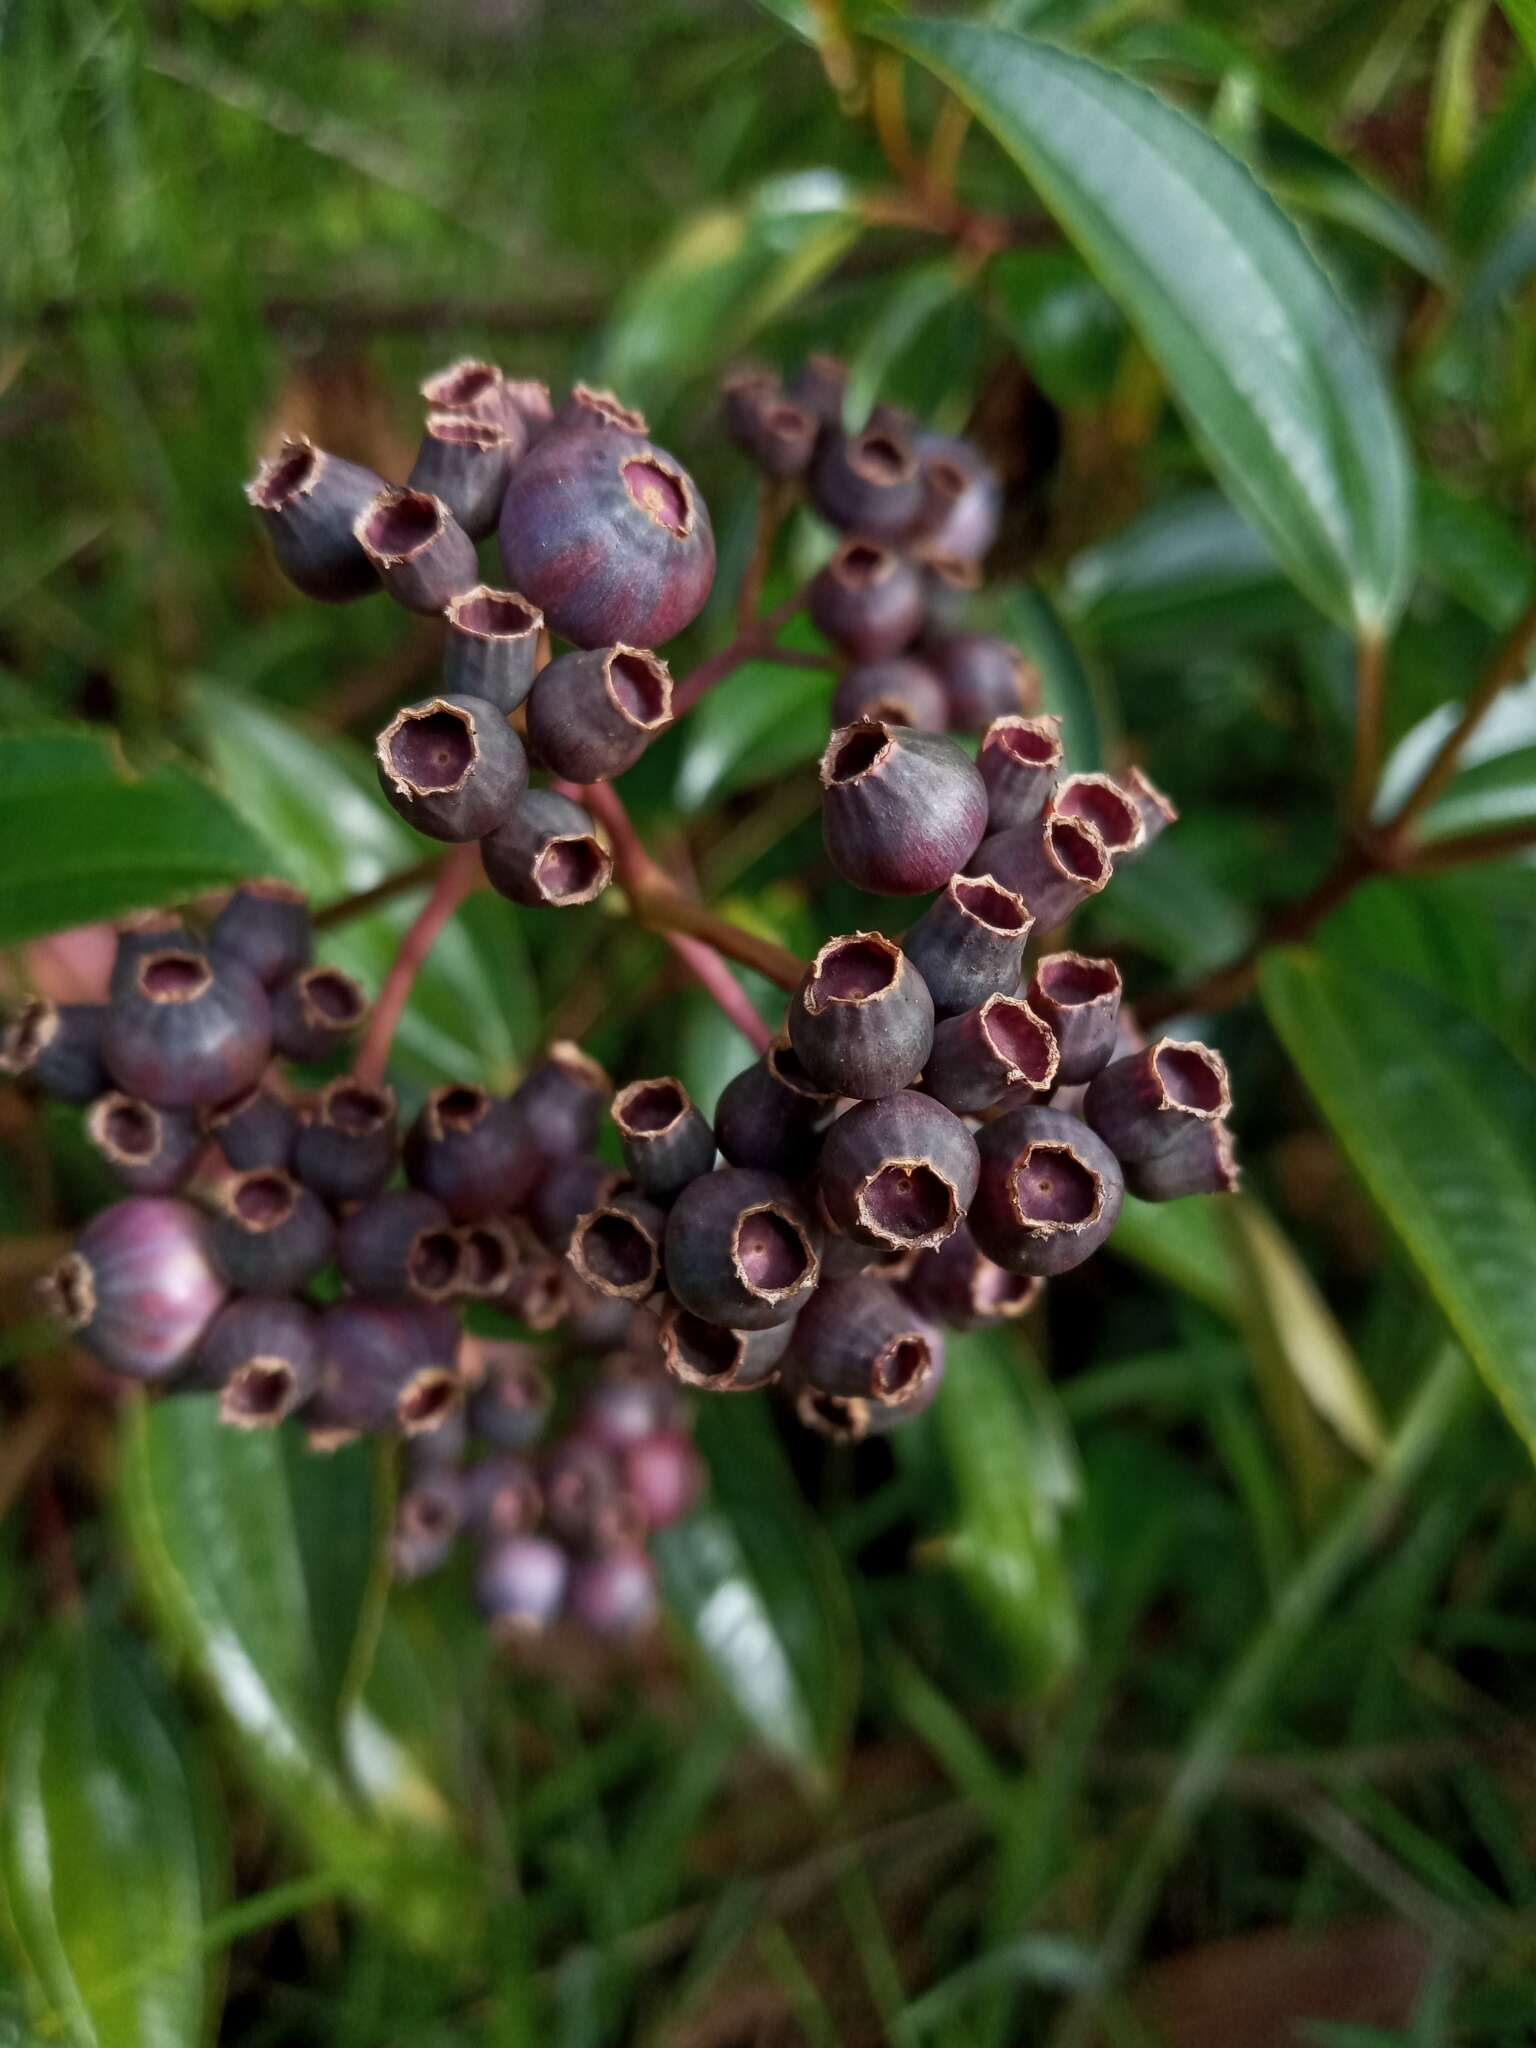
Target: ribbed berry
{"points": [[617, 1246], [269, 1234], [1020, 762], [593, 713], [315, 1013], [262, 1355], [421, 553], [464, 463], [1200, 1161], [568, 1190], [980, 1055], [958, 1285], [139, 1287], [741, 1249], [901, 810], [1143, 1104], [188, 1031], [310, 503], [346, 1150], [1055, 864], [1108, 808], [718, 1359], [1049, 1194], [1080, 999], [898, 1173], [868, 600], [962, 498], [665, 1141], [772, 1115], [266, 926], [152, 1151], [451, 766], [493, 646], [969, 944], [857, 1340], [561, 1100], [862, 1019]]}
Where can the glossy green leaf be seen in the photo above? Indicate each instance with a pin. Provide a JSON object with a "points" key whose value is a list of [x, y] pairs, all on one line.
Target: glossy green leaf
{"points": [[1521, 16], [1006, 1455], [1440, 1123], [1506, 730], [259, 1559], [1292, 409], [898, 324], [1489, 793], [723, 278], [1184, 1243], [1472, 551], [1065, 326], [110, 1857], [474, 1007], [1191, 568], [754, 727], [81, 838], [757, 1584]]}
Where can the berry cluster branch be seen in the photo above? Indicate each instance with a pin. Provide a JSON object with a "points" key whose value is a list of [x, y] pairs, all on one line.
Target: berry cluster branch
{"points": [[754, 643], [458, 876], [401, 883]]}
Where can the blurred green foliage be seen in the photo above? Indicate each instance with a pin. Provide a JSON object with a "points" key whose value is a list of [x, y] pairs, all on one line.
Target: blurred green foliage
{"points": [[1179, 1637]]}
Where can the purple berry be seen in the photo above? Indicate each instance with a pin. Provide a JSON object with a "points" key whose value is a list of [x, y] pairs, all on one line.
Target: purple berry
{"points": [[1144, 1104], [311, 502], [269, 1234], [959, 1285], [616, 1247], [1157, 811], [139, 1287], [862, 1019], [664, 1475], [962, 499], [1055, 864], [561, 1101], [464, 463], [741, 1249], [1080, 999], [593, 713], [451, 766], [502, 1497], [400, 1246], [257, 1128], [984, 679], [422, 555], [901, 810], [429, 1516], [520, 1585], [152, 1151], [1020, 760], [857, 1340], [1049, 1194], [978, 1057], [717, 1359], [867, 600], [1199, 1162], [1100, 802], [187, 1031], [772, 1115], [315, 1013], [386, 1367], [472, 1152], [570, 1189], [57, 1045], [493, 647], [614, 1596], [969, 944], [868, 484], [510, 1407], [266, 926], [898, 1173], [262, 1355], [901, 690], [665, 1141], [346, 1151]]}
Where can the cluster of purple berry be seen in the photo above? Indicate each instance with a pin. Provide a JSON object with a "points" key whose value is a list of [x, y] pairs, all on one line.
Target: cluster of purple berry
{"points": [[605, 541], [939, 1127]]}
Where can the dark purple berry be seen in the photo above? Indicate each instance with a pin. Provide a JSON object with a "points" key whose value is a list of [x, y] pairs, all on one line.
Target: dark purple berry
{"points": [[598, 1322], [547, 853], [585, 1501], [150, 931], [346, 1151], [451, 766], [900, 690], [464, 463], [898, 1173], [839, 1420], [847, 1258], [969, 944], [471, 386], [609, 537], [1100, 802], [862, 1019], [262, 1355], [527, 399], [741, 1249], [510, 1407], [315, 1013], [189, 1032], [718, 1359], [493, 646], [771, 1115], [594, 712], [868, 601], [959, 1285], [152, 1151], [427, 1520], [984, 679], [631, 1398], [857, 1340], [1049, 1193], [266, 926], [489, 1257], [665, 1141], [421, 553], [948, 587], [386, 1367], [614, 1596], [502, 1497], [139, 1287], [1054, 865], [472, 1151], [561, 1101], [400, 1246], [538, 1291], [269, 1234], [744, 396], [1199, 1162], [1080, 999], [962, 499], [819, 385], [784, 440], [901, 810], [868, 483], [1020, 760], [310, 503], [663, 1474], [257, 1129], [617, 1246], [1157, 811], [1144, 1104], [569, 1190], [57, 1045], [520, 1585], [593, 410], [979, 1056]]}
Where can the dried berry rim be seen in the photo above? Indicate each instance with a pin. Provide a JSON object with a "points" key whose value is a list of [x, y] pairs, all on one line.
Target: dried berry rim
{"points": [[488, 1260], [457, 1107], [1101, 802], [1075, 848], [1076, 982], [427, 1400], [538, 1292], [173, 976], [882, 457], [855, 969], [638, 684], [260, 1200], [329, 1000], [854, 752], [710, 1356], [574, 1060], [67, 1292], [1030, 742], [659, 489], [486, 613], [430, 749], [28, 1035], [607, 409], [468, 430], [1153, 803], [1046, 1173], [772, 1257], [860, 564], [399, 525], [838, 1417], [1021, 1041], [354, 1108], [293, 471], [783, 1062], [465, 386], [124, 1130], [616, 1252], [901, 1368], [998, 1296], [434, 1263], [1191, 1079], [984, 901], [571, 868], [259, 1394], [908, 1205], [649, 1110]]}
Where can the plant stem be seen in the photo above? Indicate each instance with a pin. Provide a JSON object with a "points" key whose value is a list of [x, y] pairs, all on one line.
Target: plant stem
{"points": [[399, 884], [774, 498], [1248, 1684], [747, 646], [1370, 688], [1508, 666], [457, 877], [1492, 844]]}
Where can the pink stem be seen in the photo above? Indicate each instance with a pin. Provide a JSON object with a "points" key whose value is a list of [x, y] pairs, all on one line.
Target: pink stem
{"points": [[457, 878], [699, 681]]}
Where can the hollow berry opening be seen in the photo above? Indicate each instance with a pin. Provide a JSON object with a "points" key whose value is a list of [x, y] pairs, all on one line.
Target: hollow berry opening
{"points": [[259, 1392], [494, 615], [640, 688], [608, 409], [997, 908], [997, 1292], [29, 1035], [772, 1255], [400, 524], [1072, 981], [615, 1252], [433, 752], [832, 1416], [70, 1291], [1031, 745], [1078, 849], [357, 1111], [130, 1131], [174, 977], [855, 753], [263, 1200], [909, 1202], [1020, 1038], [860, 565], [659, 493], [462, 1106], [1192, 1078], [709, 1351], [463, 384], [901, 1365], [571, 870], [945, 478], [432, 1263], [487, 1258], [427, 1401], [1111, 813], [454, 430], [856, 970], [331, 998], [290, 474], [881, 458], [789, 421], [1053, 1187], [783, 1063], [649, 1108]]}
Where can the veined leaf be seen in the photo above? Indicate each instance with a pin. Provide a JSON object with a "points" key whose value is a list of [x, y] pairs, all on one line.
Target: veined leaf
{"points": [[1291, 407], [1440, 1122]]}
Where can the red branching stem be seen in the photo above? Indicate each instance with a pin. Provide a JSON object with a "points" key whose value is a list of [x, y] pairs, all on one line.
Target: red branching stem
{"points": [[457, 878], [745, 647]]}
